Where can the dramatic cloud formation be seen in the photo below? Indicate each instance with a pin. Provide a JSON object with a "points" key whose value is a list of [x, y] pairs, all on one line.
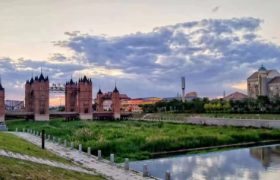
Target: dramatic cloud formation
{"points": [[213, 54]]}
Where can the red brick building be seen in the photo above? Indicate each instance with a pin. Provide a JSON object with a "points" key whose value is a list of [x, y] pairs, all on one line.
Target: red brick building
{"points": [[115, 97], [37, 97], [2, 103], [71, 92], [85, 98]]}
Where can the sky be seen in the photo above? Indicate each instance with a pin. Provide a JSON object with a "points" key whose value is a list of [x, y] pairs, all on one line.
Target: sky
{"points": [[143, 46]]}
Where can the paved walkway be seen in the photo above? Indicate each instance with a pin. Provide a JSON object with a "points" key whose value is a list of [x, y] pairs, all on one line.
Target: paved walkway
{"points": [[25, 157], [88, 161]]}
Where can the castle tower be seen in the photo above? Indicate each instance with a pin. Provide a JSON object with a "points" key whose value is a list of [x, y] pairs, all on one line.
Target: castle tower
{"points": [[99, 107], [71, 90], [40, 99], [262, 80], [85, 98], [116, 103], [28, 100], [2, 103]]}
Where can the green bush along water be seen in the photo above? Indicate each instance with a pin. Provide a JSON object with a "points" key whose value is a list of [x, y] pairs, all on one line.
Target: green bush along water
{"points": [[139, 140]]}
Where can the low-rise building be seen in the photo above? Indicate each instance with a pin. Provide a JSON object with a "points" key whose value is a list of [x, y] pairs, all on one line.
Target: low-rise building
{"points": [[134, 104], [236, 96], [189, 96]]}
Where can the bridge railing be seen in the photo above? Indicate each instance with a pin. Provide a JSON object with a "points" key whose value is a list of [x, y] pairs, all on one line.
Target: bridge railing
{"points": [[18, 113]]}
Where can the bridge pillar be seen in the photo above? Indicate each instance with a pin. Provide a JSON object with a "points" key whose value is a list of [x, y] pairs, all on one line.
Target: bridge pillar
{"points": [[117, 115], [41, 117], [85, 116]]}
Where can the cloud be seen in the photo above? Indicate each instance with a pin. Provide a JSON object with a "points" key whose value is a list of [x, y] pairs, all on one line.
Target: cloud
{"points": [[215, 9], [213, 54]]}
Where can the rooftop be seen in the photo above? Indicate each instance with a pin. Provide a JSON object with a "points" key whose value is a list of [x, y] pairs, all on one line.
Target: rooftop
{"points": [[236, 96]]}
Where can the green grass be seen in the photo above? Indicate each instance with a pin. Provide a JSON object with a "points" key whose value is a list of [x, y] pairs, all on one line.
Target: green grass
{"points": [[18, 169], [139, 140], [13, 143]]}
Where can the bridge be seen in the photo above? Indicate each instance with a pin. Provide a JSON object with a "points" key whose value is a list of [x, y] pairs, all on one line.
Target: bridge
{"points": [[66, 115]]}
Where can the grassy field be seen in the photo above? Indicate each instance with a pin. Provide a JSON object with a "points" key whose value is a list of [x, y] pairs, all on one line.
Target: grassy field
{"points": [[17, 170], [13, 143], [138, 140]]}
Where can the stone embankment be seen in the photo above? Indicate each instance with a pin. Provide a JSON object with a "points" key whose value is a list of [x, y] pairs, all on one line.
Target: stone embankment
{"points": [[258, 123], [110, 170]]}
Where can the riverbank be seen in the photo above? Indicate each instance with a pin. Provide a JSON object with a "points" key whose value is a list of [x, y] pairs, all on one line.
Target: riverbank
{"points": [[140, 140], [18, 162]]}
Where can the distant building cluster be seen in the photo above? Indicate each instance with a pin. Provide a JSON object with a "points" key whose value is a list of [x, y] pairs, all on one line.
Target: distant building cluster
{"points": [[12, 105], [261, 83], [134, 105]]}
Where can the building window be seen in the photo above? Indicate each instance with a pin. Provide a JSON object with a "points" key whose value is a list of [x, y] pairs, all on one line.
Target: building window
{"points": [[271, 88]]}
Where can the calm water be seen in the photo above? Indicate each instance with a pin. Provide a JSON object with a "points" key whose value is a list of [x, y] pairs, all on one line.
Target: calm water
{"points": [[261, 163]]}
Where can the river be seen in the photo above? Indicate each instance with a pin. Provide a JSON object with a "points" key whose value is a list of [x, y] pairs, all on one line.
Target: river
{"points": [[255, 163]]}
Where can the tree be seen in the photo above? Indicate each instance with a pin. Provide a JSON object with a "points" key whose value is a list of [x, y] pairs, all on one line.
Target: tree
{"points": [[214, 107], [94, 106], [206, 107], [227, 106], [61, 108], [210, 107], [219, 106], [263, 101]]}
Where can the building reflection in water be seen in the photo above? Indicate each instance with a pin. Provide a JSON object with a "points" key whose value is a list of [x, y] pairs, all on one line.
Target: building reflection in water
{"points": [[242, 164], [266, 155]]}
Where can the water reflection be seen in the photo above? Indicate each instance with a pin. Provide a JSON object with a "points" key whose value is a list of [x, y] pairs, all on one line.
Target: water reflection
{"points": [[260, 163]]}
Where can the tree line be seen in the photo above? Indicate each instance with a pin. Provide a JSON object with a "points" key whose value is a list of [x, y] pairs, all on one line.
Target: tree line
{"points": [[263, 104]]}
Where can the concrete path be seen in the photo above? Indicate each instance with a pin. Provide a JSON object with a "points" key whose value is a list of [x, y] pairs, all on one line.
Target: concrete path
{"points": [[88, 161], [25, 157]]}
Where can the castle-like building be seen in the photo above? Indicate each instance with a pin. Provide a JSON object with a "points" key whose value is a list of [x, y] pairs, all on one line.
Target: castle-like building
{"points": [[2, 103], [263, 82], [37, 97], [78, 97]]}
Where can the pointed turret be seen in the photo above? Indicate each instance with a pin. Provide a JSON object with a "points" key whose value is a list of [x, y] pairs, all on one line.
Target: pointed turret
{"points": [[115, 90], [31, 81], [41, 78], [99, 92], [47, 79], [71, 82], [1, 87]]}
